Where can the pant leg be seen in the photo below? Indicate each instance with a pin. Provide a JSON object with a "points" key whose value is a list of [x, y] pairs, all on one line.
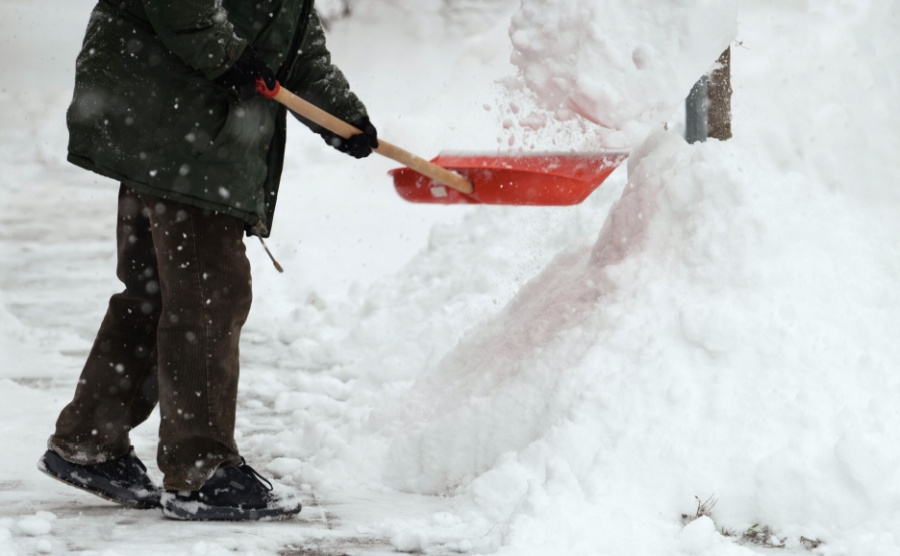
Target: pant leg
{"points": [[206, 294], [117, 389]]}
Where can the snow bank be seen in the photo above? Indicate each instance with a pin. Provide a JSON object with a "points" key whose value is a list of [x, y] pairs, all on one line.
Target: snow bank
{"points": [[729, 332], [623, 68], [702, 346]]}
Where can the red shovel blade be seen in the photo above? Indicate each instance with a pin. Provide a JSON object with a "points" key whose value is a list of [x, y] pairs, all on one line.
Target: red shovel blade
{"points": [[548, 179]]}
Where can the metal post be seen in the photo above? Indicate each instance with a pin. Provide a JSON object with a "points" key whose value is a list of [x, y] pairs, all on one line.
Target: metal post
{"points": [[697, 108], [719, 124]]}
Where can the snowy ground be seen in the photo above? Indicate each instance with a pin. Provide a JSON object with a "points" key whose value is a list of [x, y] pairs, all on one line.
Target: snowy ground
{"points": [[716, 320]]}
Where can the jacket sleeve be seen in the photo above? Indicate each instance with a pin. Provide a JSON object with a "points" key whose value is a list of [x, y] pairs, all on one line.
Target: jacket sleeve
{"points": [[198, 32], [314, 78]]}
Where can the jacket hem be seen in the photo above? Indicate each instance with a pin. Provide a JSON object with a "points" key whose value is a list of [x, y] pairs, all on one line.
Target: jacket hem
{"points": [[251, 220]]}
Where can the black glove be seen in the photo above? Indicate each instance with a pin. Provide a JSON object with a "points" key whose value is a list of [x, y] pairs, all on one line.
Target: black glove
{"points": [[240, 79], [357, 146]]}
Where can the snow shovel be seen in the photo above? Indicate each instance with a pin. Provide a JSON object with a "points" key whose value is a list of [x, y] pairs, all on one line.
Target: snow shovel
{"points": [[511, 179]]}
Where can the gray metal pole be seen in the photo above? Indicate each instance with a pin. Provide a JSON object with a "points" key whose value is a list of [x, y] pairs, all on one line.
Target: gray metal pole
{"points": [[697, 112]]}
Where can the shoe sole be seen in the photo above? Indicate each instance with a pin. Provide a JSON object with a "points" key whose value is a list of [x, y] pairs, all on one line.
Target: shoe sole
{"points": [[195, 511], [52, 470]]}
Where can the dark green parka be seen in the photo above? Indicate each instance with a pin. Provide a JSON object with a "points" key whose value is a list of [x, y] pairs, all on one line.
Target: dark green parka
{"points": [[147, 113]]}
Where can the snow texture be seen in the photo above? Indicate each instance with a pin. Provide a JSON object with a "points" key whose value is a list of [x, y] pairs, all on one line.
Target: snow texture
{"points": [[718, 319], [626, 69]]}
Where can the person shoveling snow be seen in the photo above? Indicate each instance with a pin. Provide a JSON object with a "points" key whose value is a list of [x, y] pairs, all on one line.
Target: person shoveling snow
{"points": [[165, 102]]}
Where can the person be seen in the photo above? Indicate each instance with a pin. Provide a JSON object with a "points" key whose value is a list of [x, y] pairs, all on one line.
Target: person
{"points": [[166, 104]]}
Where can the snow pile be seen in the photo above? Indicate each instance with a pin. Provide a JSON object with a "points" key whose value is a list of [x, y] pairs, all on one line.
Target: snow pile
{"points": [[626, 69], [699, 347], [729, 332]]}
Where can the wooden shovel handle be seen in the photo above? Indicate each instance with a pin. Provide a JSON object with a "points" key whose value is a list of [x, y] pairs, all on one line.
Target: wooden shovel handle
{"points": [[336, 125]]}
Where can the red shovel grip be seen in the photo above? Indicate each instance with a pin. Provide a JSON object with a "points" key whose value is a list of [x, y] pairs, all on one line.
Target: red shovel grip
{"points": [[266, 91]]}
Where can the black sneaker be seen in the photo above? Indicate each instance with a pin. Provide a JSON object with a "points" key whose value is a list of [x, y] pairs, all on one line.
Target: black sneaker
{"points": [[233, 493], [122, 480]]}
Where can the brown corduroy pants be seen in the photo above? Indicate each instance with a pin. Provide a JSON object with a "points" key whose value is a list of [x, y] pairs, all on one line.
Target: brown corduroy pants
{"points": [[171, 337]]}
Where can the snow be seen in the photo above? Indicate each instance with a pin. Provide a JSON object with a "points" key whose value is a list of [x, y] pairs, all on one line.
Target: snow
{"points": [[36, 525], [410, 541], [627, 69], [717, 320]]}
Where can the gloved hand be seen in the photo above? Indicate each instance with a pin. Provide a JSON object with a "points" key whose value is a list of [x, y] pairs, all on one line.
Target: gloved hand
{"points": [[240, 79], [357, 146]]}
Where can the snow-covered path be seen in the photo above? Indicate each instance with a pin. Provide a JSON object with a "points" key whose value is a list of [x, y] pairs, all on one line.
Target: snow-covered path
{"points": [[46, 250]]}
